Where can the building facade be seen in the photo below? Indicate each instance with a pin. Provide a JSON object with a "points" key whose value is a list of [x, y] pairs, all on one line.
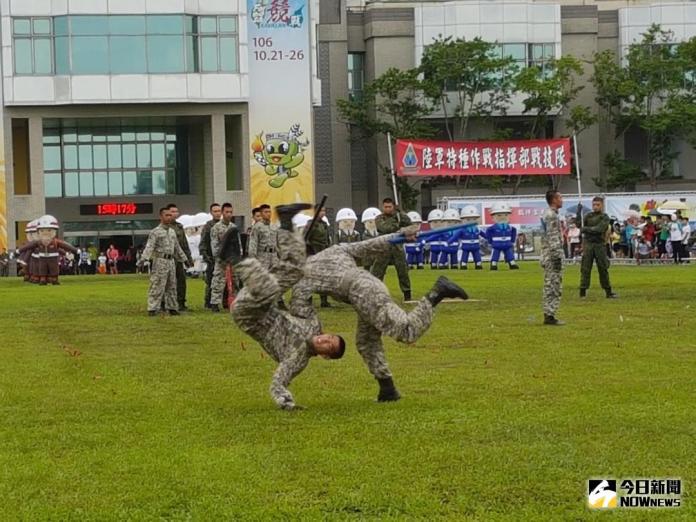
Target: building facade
{"points": [[113, 108]]}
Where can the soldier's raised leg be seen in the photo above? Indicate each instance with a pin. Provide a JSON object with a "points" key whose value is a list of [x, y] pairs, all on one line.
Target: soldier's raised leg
{"points": [[368, 341]]}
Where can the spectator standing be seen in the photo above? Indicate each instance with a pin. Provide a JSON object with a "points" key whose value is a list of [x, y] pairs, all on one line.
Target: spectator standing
{"points": [[93, 255], [643, 248], [573, 239], [84, 263], [112, 256], [521, 245], [102, 260], [676, 238], [662, 236], [686, 235]]}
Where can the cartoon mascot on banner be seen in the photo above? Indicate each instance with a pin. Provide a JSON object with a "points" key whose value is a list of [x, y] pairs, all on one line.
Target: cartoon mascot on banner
{"points": [[436, 243], [345, 221], [468, 238], [502, 236], [415, 251], [48, 249], [280, 154]]}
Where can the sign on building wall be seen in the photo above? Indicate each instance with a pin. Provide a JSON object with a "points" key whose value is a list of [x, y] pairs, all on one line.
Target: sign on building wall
{"points": [[482, 158], [280, 102]]}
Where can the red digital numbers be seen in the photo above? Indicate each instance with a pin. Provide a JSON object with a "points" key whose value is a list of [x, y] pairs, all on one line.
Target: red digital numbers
{"points": [[116, 209]]}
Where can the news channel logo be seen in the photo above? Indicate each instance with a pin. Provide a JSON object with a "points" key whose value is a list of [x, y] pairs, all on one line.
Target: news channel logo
{"points": [[602, 493]]}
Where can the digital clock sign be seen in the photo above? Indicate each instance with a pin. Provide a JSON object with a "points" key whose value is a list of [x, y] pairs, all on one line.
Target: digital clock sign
{"points": [[116, 209]]}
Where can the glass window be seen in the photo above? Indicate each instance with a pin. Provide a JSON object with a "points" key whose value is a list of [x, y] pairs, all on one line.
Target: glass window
{"points": [[159, 182], [101, 184], [144, 182], [127, 25], [98, 136], [549, 51], [515, 51], [158, 159], [70, 135], [114, 156], [142, 136], [51, 136], [129, 156], [86, 184], [130, 183], [171, 182], [85, 152], [115, 183], [42, 26], [72, 184], [165, 24], [21, 26], [157, 136], [228, 54], [23, 56], [228, 24], [60, 25], [171, 156], [192, 62], [70, 156], [207, 24], [62, 51], [90, 55], [165, 54], [99, 156], [144, 155], [51, 158], [53, 186], [209, 58], [89, 25], [128, 135], [42, 56], [127, 55], [84, 136]]}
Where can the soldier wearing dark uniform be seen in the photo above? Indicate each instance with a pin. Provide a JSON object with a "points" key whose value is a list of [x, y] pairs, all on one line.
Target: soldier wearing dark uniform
{"points": [[206, 250], [389, 221], [594, 233], [319, 239], [180, 265], [290, 341]]}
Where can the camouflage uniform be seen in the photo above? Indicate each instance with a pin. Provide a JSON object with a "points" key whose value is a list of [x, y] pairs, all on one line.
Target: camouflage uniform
{"points": [[218, 283], [180, 268], [335, 272], [368, 261], [163, 252], [552, 261], [262, 243], [319, 237], [594, 248], [207, 254], [395, 256], [283, 336]]}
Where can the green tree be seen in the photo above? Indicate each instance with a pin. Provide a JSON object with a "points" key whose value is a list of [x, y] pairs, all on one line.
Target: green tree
{"points": [[647, 90], [620, 173]]}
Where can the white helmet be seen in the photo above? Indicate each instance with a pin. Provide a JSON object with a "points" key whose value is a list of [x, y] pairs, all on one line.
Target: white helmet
{"points": [[300, 220], [415, 217], [370, 213], [451, 214], [346, 213], [436, 215], [470, 211], [31, 226], [47, 221], [501, 208]]}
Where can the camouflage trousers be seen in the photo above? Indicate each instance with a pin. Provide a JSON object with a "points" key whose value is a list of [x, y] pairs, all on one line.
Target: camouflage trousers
{"points": [[378, 315], [553, 287], [218, 283], [162, 285]]}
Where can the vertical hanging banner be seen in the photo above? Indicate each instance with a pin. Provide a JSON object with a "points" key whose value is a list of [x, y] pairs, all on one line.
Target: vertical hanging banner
{"points": [[280, 102]]}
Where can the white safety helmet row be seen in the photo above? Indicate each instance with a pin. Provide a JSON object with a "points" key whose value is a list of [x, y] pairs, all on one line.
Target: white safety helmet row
{"points": [[470, 211], [346, 213], [300, 220], [501, 208], [415, 217], [47, 221], [436, 215], [370, 213], [451, 214]]}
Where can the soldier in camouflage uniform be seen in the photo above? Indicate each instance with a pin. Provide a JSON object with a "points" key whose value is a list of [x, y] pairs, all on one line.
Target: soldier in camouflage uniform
{"points": [[289, 340], [594, 247], [552, 257], [335, 271], [319, 239], [207, 252], [262, 240], [180, 267], [389, 221], [219, 282], [163, 252]]}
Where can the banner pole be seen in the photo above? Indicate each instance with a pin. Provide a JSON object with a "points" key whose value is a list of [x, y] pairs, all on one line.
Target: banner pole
{"points": [[391, 167], [577, 173]]}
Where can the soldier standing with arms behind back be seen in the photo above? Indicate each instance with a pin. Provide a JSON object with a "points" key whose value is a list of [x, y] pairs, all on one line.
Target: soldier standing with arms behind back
{"points": [[180, 266], [389, 221], [552, 257], [262, 241], [206, 250], [163, 252], [219, 280], [319, 239], [594, 232]]}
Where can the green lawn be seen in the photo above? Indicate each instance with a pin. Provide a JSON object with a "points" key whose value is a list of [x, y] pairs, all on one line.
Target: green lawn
{"points": [[108, 414]]}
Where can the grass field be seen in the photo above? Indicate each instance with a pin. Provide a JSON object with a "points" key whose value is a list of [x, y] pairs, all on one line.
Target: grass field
{"points": [[108, 414]]}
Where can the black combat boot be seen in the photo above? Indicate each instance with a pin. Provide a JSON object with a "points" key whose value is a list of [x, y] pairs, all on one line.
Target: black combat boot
{"points": [[514, 266], [583, 293], [494, 267], [407, 295], [550, 319], [443, 288], [387, 390], [324, 301], [287, 212], [152, 313], [464, 267], [214, 308], [174, 312], [610, 294]]}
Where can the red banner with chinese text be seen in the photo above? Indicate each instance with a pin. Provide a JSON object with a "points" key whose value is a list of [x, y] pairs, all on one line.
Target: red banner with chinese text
{"points": [[483, 158]]}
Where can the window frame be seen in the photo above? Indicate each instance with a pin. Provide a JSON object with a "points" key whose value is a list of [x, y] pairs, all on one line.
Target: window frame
{"points": [[32, 36]]}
